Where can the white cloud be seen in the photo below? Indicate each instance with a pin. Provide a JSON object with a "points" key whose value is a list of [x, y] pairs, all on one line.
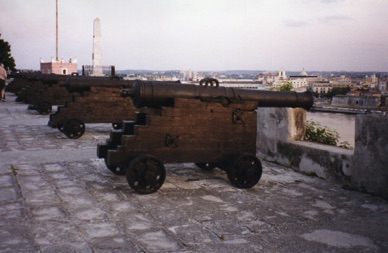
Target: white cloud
{"points": [[295, 23], [334, 18]]}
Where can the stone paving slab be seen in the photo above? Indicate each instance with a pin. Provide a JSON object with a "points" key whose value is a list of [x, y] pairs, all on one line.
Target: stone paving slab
{"points": [[56, 196]]}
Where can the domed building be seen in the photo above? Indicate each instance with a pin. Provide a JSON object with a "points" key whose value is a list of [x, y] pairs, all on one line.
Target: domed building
{"points": [[302, 81], [303, 73]]}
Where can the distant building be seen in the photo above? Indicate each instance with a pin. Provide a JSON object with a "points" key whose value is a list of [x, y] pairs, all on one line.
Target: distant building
{"points": [[270, 78], [356, 100], [302, 81], [382, 86], [341, 82], [370, 81], [260, 77], [189, 75], [321, 87], [58, 67], [280, 79]]}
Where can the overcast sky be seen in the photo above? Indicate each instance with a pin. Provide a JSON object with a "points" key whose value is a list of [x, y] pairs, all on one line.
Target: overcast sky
{"points": [[325, 35]]}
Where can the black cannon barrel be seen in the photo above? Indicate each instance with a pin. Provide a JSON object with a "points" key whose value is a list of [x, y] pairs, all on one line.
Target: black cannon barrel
{"points": [[156, 94], [53, 78], [22, 75], [82, 83], [37, 76]]}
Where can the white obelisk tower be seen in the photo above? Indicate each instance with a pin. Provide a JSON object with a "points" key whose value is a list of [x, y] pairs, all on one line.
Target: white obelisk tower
{"points": [[97, 51]]}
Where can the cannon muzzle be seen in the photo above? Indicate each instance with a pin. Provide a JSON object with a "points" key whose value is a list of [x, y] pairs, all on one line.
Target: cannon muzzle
{"points": [[158, 94]]}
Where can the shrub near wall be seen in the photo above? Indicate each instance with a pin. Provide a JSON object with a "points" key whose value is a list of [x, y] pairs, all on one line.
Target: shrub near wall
{"points": [[364, 169], [279, 135], [315, 132]]}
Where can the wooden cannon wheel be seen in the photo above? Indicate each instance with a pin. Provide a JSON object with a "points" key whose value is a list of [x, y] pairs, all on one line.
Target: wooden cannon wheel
{"points": [[73, 128], [245, 171], [117, 125], [44, 108], [117, 170], [145, 174]]}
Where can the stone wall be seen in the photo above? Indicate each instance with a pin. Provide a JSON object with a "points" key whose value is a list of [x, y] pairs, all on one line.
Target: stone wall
{"points": [[279, 135], [370, 160], [358, 101]]}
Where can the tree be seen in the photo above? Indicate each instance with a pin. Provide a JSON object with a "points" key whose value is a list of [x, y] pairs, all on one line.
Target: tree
{"points": [[5, 55], [287, 86], [337, 91]]}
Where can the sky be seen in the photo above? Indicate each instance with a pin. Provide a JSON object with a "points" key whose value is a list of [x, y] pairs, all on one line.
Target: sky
{"points": [[203, 35]]}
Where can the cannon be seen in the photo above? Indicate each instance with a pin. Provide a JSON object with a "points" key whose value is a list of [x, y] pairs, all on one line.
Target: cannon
{"points": [[58, 93], [151, 94], [29, 91], [48, 96], [36, 84], [94, 100], [21, 80], [18, 82], [208, 125]]}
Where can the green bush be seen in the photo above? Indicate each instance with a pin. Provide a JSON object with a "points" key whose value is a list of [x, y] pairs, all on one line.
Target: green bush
{"points": [[286, 87], [315, 132]]}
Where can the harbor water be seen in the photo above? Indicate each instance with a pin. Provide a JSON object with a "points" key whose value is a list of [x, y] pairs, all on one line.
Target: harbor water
{"points": [[343, 123]]}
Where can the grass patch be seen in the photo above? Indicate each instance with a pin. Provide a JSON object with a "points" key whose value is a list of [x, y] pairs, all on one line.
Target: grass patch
{"points": [[14, 169]]}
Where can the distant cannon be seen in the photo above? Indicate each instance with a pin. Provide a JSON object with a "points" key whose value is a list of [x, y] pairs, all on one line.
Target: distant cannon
{"points": [[47, 97], [37, 83], [205, 124], [94, 100], [57, 94], [85, 83], [20, 81]]}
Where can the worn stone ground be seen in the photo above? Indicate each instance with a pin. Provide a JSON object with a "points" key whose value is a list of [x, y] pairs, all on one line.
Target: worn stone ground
{"points": [[56, 196]]}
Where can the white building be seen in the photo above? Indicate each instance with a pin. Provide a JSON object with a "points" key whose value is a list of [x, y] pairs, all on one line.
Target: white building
{"points": [[280, 79], [341, 82], [189, 75], [302, 81], [321, 87], [371, 81], [382, 86]]}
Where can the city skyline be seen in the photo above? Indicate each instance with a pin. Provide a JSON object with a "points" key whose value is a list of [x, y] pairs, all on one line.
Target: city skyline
{"points": [[215, 35]]}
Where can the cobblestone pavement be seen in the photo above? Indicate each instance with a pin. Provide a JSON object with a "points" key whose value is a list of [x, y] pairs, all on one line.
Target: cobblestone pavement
{"points": [[57, 196]]}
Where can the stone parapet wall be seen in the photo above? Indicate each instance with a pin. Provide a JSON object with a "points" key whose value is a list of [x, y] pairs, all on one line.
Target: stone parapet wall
{"points": [[279, 139], [370, 160]]}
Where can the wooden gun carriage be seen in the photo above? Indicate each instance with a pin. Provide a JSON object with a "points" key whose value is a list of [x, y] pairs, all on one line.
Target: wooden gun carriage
{"points": [[49, 96], [21, 81], [94, 100], [180, 123], [59, 93], [18, 82], [36, 84]]}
